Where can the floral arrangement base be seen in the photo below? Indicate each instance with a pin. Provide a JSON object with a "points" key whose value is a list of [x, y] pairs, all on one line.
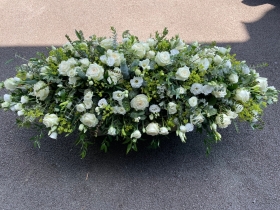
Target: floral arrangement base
{"points": [[128, 88]]}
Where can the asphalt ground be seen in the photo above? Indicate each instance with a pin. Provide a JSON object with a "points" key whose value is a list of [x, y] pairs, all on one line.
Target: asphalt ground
{"points": [[242, 171]]}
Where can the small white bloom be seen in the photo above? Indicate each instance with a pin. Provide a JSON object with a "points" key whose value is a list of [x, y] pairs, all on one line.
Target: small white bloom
{"points": [[80, 107], [102, 103], [50, 120], [223, 120], [81, 127], [24, 99], [245, 69], [180, 90], [136, 82], [217, 60], [139, 50], [20, 113], [222, 50], [10, 84], [207, 89], [150, 54], [163, 58], [112, 131], [152, 129], [53, 135], [145, 64], [189, 127], [193, 101], [110, 61], [136, 134], [88, 94], [40, 92], [65, 66], [163, 131], [154, 108], [238, 108], [172, 108], [151, 42], [5, 104], [174, 52], [7, 98], [29, 75], [183, 73], [196, 88], [89, 120], [88, 104], [118, 95], [231, 114], [183, 128], [242, 95], [84, 62], [18, 106], [139, 102], [197, 119], [73, 80], [233, 78], [203, 64], [72, 72], [121, 110], [219, 91], [107, 43], [227, 64], [262, 83]]}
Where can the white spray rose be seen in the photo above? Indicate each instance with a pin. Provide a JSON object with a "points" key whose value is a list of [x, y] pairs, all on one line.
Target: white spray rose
{"points": [[136, 134], [150, 54], [95, 71], [163, 58], [183, 73], [152, 129], [139, 102], [193, 101], [112, 131], [65, 66], [163, 131], [233, 78], [24, 99], [89, 120], [217, 60], [50, 120], [262, 83], [223, 121], [10, 84], [139, 50], [242, 95], [84, 62], [80, 107], [172, 108], [40, 92]]}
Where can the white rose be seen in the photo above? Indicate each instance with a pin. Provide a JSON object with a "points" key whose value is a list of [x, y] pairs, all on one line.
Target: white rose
{"points": [[196, 119], [220, 92], [136, 82], [65, 66], [50, 120], [88, 94], [112, 131], [84, 62], [163, 131], [171, 108], [217, 60], [232, 114], [242, 95], [24, 99], [163, 58], [262, 83], [233, 78], [183, 73], [7, 98], [154, 108], [10, 84], [95, 71], [136, 134], [80, 107], [152, 129], [89, 120], [223, 120], [196, 88], [5, 104], [193, 101], [139, 102], [107, 43], [203, 64], [150, 54], [40, 92], [139, 50]]}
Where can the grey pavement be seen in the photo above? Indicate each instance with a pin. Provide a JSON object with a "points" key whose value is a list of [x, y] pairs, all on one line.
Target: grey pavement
{"points": [[242, 171]]}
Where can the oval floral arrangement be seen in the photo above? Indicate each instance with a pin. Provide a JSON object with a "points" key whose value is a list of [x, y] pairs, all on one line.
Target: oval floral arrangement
{"points": [[126, 89]]}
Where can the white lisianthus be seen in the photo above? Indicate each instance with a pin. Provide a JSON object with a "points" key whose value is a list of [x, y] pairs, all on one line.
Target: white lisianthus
{"points": [[24, 99], [220, 92], [196, 88], [163, 131], [203, 64], [80, 107], [150, 54], [154, 108], [50, 120], [89, 120], [223, 120], [193, 101], [53, 135], [242, 95], [238, 108], [95, 71], [163, 58], [183, 73], [217, 60], [139, 50], [88, 104], [41, 90], [145, 64], [140, 102], [262, 83], [231, 114], [107, 43], [136, 82], [118, 95], [112, 131], [65, 66], [84, 62], [233, 78], [7, 98], [102, 103], [189, 127], [197, 119], [120, 110], [136, 134], [207, 89], [88, 94], [152, 129], [10, 84], [5, 104], [171, 108], [180, 90], [114, 58]]}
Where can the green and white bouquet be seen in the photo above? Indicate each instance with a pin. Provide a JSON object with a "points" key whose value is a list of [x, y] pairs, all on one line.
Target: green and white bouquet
{"points": [[127, 89]]}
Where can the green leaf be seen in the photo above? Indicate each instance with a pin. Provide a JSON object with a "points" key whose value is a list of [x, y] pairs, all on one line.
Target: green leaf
{"points": [[100, 50]]}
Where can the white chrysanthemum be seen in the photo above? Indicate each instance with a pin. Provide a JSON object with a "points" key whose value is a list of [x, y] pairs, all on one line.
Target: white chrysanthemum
{"points": [[196, 88], [154, 108], [136, 82], [102, 102]]}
